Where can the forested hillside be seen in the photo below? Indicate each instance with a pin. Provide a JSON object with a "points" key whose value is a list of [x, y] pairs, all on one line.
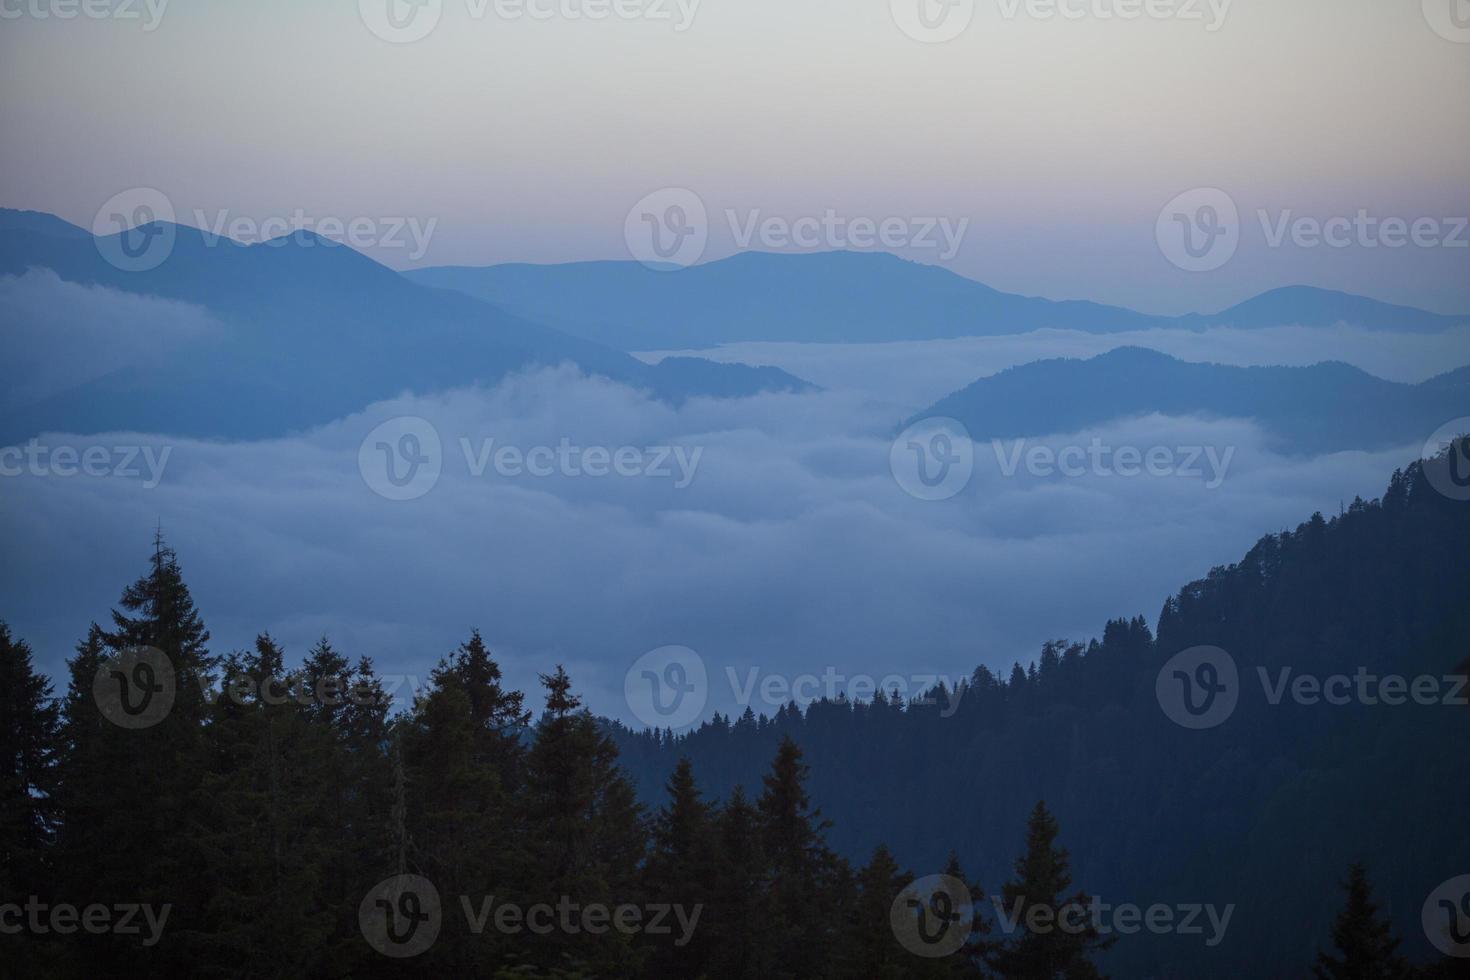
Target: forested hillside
{"points": [[1265, 810], [179, 812]]}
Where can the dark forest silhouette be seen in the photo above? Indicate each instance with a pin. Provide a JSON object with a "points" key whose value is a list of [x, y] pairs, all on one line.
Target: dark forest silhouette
{"points": [[265, 822]]}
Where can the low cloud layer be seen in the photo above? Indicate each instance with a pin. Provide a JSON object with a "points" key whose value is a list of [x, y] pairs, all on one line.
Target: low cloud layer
{"points": [[913, 375], [56, 334], [792, 549]]}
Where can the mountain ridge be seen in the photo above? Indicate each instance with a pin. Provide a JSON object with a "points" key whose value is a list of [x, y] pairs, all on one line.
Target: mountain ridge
{"points": [[315, 331], [852, 297], [1325, 407]]}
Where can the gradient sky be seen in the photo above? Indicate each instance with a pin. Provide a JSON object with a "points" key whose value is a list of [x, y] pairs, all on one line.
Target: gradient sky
{"points": [[1060, 140]]}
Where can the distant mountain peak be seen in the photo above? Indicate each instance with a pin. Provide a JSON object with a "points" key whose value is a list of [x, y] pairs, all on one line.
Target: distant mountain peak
{"points": [[1312, 306], [1325, 407], [39, 222]]}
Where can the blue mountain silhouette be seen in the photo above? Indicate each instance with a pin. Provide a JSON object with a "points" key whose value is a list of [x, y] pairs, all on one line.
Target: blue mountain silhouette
{"points": [[316, 331], [851, 297], [1326, 407]]}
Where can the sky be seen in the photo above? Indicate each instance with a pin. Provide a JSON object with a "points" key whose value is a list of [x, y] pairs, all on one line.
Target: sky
{"points": [[528, 130]]}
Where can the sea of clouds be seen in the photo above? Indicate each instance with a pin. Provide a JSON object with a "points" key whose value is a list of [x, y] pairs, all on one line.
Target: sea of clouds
{"points": [[792, 550]]}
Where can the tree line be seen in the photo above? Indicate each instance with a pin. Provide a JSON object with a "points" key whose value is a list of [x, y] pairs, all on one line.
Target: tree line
{"points": [[264, 824], [1152, 809]]}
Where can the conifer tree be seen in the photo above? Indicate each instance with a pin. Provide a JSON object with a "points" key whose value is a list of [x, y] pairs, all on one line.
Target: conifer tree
{"points": [[1049, 933], [29, 733], [681, 869], [736, 917], [130, 795], [452, 806], [1366, 948], [586, 837], [268, 827], [497, 716], [868, 947], [803, 919], [964, 964], [158, 611], [459, 751]]}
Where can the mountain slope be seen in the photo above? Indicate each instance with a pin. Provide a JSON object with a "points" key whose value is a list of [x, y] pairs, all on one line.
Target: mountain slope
{"points": [[848, 297], [1323, 408], [315, 331], [826, 297], [1310, 307], [1262, 812]]}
